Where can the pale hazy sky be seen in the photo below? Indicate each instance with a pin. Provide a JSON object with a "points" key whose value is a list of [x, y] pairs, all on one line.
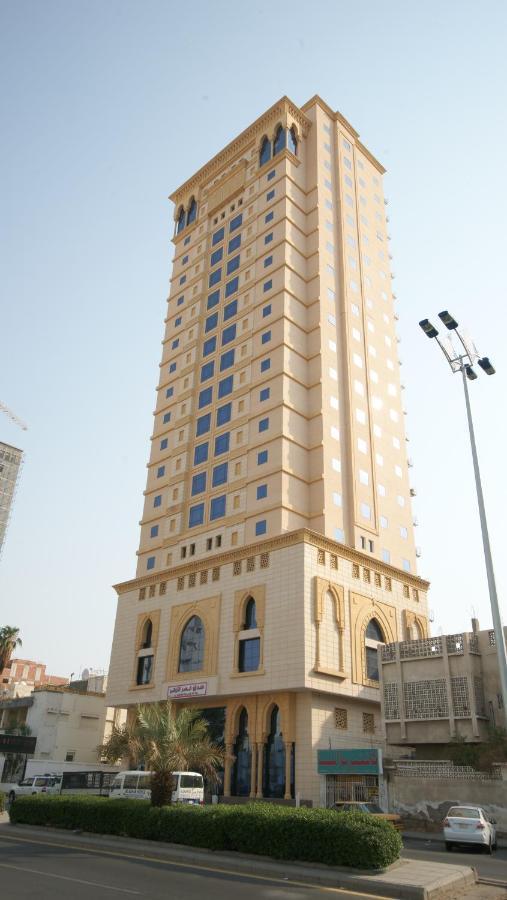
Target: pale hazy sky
{"points": [[108, 106]]}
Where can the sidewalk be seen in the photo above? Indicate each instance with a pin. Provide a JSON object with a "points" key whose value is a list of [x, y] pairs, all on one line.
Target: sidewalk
{"points": [[437, 837], [405, 880]]}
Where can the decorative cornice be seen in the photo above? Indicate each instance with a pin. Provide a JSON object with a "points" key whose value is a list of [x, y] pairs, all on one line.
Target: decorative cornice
{"points": [[302, 535]]}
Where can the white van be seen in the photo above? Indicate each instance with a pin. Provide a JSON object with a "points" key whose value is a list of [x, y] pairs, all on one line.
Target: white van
{"points": [[188, 787]]}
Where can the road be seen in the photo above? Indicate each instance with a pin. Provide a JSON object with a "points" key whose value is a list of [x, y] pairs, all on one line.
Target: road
{"points": [[49, 870], [492, 868]]}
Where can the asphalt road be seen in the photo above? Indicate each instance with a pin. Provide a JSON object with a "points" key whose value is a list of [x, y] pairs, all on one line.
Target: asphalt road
{"points": [[49, 871], [489, 867]]}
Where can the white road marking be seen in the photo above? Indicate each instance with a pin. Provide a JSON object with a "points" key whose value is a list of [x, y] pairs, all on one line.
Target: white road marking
{"points": [[108, 887]]}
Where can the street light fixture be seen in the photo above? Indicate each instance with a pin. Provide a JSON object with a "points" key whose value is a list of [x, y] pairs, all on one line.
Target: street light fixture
{"points": [[463, 361]]}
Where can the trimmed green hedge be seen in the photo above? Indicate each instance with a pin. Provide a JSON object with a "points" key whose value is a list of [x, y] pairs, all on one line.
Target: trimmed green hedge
{"points": [[313, 835]]}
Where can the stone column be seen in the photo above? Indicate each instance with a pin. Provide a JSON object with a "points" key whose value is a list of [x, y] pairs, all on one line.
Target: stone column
{"points": [[253, 770], [260, 767], [229, 759], [288, 757]]}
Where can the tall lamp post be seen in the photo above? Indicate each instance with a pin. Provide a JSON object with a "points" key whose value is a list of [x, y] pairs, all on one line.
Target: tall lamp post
{"points": [[463, 361]]}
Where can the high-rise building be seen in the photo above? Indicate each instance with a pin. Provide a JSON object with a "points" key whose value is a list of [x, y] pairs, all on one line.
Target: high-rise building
{"points": [[10, 464], [277, 547]]}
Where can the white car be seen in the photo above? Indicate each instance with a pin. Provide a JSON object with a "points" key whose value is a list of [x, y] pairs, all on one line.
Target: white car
{"points": [[37, 784], [469, 825]]}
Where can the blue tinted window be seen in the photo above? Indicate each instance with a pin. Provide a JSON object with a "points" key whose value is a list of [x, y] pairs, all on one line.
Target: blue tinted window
{"points": [[199, 483], [268, 261], [207, 371], [236, 222], [270, 195], [192, 212], [260, 527], [220, 474], [268, 217], [200, 453], [203, 424], [218, 236], [167, 418], [233, 264], [211, 322], [263, 424], [177, 321], [163, 444], [262, 491], [175, 344], [234, 244], [224, 414], [279, 141], [222, 443], [225, 386], [267, 285], [262, 457], [266, 311], [228, 334], [265, 151], [249, 660], [209, 346], [157, 501], [216, 256], [230, 310], [227, 360], [150, 562], [217, 508], [213, 299], [183, 279], [265, 365], [172, 367], [187, 240], [154, 531], [180, 300], [264, 394], [269, 237], [169, 392], [184, 260], [196, 515], [232, 286], [160, 471], [205, 397], [215, 277], [271, 174], [266, 337]]}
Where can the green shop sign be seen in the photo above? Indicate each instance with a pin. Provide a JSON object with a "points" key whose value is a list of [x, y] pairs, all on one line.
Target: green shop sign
{"points": [[349, 762]]}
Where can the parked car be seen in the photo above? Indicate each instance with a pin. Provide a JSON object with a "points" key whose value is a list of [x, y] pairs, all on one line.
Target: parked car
{"points": [[37, 784], [371, 808], [187, 787], [469, 825]]}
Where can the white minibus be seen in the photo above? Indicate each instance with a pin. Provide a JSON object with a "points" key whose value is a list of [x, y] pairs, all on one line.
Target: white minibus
{"points": [[187, 787]]}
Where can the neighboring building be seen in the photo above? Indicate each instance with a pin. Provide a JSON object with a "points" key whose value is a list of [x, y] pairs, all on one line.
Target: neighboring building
{"points": [[30, 672], [277, 545], [10, 464], [441, 689]]}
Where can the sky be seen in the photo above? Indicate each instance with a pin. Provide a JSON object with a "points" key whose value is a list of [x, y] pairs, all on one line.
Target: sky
{"points": [[106, 107]]}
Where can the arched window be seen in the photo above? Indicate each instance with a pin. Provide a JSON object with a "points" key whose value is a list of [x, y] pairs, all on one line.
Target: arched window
{"points": [[250, 615], [241, 770], [274, 758], [192, 646], [373, 637], [292, 141], [147, 634], [180, 221], [192, 212], [279, 141], [265, 151]]}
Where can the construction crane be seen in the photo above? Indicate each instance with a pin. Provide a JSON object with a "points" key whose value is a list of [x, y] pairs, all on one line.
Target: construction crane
{"points": [[17, 421]]}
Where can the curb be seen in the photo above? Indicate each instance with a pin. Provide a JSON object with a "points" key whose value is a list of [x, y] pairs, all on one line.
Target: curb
{"points": [[397, 882]]}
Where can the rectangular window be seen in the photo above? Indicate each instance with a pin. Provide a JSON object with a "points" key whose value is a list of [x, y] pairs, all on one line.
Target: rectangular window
{"points": [[264, 394], [218, 236], [169, 392], [222, 443], [215, 277], [230, 310], [260, 527], [268, 217], [154, 531], [225, 386], [224, 414], [220, 474], [213, 299], [167, 418], [267, 285], [266, 337], [234, 244], [207, 371], [271, 174], [232, 286], [187, 240], [227, 360], [217, 507], [266, 311], [183, 279], [262, 457], [177, 321], [268, 261], [268, 238], [270, 195], [209, 346], [163, 444], [150, 562], [203, 424], [265, 365], [180, 300], [262, 491], [199, 483], [228, 334], [249, 655], [160, 471], [196, 515], [236, 222], [172, 367], [200, 453], [205, 397], [263, 424], [175, 344], [216, 256], [157, 501], [233, 264], [211, 322]]}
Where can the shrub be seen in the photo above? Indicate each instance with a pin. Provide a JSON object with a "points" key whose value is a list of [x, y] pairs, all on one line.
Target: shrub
{"points": [[2, 802], [313, 835]]}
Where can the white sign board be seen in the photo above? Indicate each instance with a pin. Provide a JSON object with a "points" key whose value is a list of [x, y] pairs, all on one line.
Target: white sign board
{"points": [[184, 691]]}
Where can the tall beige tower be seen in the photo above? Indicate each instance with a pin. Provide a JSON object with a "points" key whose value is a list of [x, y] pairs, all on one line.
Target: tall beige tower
{"points": [[279, 434]]}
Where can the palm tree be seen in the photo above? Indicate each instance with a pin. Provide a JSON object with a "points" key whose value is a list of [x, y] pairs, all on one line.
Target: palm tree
{"points": [[166, 742], [9, 640]]}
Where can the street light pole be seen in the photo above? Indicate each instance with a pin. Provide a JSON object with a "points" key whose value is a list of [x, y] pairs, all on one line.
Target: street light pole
{"points": [[463, 362]]}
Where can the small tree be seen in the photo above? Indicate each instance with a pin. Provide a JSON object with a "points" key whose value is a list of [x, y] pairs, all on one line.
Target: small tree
{"points": [[166, 742], [9, 640]]}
